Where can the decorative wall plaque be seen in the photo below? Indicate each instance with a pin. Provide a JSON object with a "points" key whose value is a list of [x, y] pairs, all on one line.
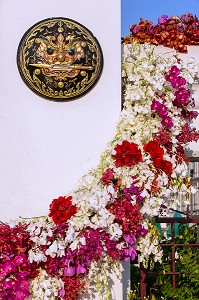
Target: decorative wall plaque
{"points": [[59, 59]]}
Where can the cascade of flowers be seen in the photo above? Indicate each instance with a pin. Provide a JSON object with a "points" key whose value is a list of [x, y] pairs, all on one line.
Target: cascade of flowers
{"points": [[108, 218], [175, 32]]}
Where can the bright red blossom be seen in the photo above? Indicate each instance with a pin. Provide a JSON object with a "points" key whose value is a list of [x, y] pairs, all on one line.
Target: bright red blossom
{"points": [[62, 209], [72, 285], [156, 152], [164, 165], [127, 154]]}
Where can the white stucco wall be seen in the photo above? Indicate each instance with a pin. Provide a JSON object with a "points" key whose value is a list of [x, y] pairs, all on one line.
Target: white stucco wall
{"points": [[47, 146]]}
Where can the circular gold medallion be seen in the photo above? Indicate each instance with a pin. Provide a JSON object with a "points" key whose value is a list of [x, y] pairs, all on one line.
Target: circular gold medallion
{"points": [[59, 59]]}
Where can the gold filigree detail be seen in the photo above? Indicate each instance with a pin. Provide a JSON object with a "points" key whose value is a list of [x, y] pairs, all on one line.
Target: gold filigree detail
{"points": [[59, 59]]}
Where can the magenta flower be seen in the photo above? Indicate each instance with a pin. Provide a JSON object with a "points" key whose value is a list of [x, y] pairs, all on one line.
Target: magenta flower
{"points": [[133, 191], [141, 231], [22, 275], [9, 267], [10, 284], [150, 28], [80, 269], [3, 273], [135, 28], [195, 26], [162, 111], [130, 238], [181, 97], [174, 72], [159, 107], [178, 82], [167, 122], [20, 260], [61, 293], [69, 271], [181, 27], [163, 19], [21, 295], [155, 105], [187, 17], [22, 285], [69, 258], [129, 253]]}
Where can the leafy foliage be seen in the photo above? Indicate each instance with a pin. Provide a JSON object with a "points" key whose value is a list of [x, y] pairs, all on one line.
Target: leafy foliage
{"points": [[187, 263]]}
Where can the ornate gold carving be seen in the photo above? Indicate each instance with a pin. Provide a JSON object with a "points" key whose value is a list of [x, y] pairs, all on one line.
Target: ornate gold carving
{"points": [[59, 59]]}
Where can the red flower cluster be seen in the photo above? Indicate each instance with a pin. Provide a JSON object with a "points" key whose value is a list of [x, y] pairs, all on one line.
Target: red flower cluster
{"points": [[164, 139], [108, 177], [188, 134], [127, 154], [180, 154], [127, 215], [156, 152], [174, 32], [72, 286], [61, 209], [14, 240]]}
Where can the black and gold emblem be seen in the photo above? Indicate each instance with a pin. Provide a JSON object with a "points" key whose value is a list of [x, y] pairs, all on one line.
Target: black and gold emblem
{"points": [[59, 59]]}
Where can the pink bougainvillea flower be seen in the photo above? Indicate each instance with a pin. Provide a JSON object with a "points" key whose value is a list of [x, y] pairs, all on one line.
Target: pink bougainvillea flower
{"points": [[173, 73], [130, 238], [129, 253], [174, 32], [178, 82], [10, 284], [155, 105], [163, 19], [187, 17], [20, 260], [9, 267], [80, 269], [160, 108], [135, 28], [3, 273], [69, 271], [182, 97], [167, 122], [21, 295], [181, 26], [133, 191]]}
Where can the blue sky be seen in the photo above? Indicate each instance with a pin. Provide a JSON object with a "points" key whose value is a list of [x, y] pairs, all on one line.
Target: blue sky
{"points": [[133, 10]]}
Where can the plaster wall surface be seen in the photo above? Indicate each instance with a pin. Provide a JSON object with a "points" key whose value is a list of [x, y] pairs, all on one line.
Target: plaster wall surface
{"points": [[46, 146]]}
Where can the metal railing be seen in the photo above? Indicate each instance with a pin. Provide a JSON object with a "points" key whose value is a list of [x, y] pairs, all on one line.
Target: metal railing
{"points": [[144, 273]]}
